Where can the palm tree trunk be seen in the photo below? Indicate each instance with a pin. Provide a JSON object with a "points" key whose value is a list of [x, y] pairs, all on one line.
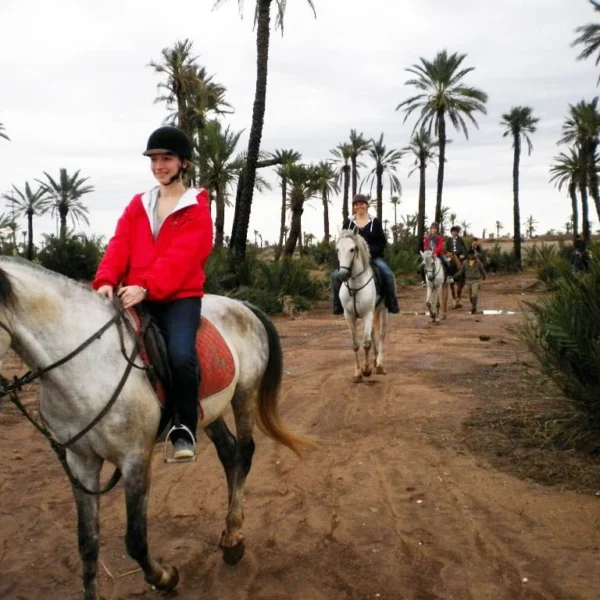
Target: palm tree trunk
{"points": [[242, 209], [295, 228], [325, 218], [345, 204], [421, 211], [30, 235], [63, 223], [220, 218], [282, 222], [585, 219], [573, 194], [440, 178], [516, 207], [593, 176], [354, 176], [380, 193]]}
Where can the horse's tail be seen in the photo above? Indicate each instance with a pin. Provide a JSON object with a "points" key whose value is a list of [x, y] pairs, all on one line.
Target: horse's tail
{"points": [[267, 405]]}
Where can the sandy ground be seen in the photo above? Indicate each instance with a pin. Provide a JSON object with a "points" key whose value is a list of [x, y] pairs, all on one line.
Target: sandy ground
{"points": [[391, 505]]}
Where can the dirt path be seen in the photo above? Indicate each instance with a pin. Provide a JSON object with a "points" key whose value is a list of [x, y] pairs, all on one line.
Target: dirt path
{"points": [[390, 506]]}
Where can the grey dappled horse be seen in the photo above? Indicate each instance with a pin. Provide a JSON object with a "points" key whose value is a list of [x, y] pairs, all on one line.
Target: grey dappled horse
{"points": [[360, 300], [44, 317]]}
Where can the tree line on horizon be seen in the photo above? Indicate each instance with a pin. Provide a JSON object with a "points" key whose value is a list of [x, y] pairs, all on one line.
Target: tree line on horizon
{"points": [[441, 98]]}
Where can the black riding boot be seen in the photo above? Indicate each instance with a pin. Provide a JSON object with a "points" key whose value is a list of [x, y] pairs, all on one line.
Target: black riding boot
{"points": [[336, 285], [391, 300]]}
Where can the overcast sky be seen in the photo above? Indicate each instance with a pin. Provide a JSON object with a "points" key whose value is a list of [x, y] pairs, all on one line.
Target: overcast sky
{"points": [[77, 93]]}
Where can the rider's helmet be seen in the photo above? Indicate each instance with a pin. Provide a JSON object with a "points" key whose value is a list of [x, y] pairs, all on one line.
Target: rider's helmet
{"points": [[169, 140], [434, 224], [360, 199], [455, 228]]}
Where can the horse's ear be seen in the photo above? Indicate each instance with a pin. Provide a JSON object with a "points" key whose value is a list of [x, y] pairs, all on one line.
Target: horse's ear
{"points": [[421, 252]]}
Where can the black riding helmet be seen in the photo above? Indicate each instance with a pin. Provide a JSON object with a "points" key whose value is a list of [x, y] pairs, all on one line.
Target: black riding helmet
{"points": [[169, 140]]}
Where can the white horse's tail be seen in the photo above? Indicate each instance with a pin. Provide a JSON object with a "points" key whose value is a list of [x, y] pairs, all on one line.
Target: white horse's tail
{"points": [[267, 405]]}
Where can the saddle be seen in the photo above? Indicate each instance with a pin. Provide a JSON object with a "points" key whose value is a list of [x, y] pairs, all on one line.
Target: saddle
{"points": [[217, 366]]}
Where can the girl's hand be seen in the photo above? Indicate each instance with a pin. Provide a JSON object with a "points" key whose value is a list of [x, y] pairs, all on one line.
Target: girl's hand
{"points": [[131, 295], [106, 291]]}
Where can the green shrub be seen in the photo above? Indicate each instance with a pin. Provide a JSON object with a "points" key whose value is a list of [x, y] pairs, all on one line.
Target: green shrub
{"points": [[77, 256], [563, 332], [402, 261], [323, 254], [267, 300], [289, 278]]}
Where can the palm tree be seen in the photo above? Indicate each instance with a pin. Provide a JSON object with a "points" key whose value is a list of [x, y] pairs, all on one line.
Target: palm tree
{"points": [[220, 169], [582, 127], [2, 134], [262, 22], [303, 186], [569, 170], [359, 145], [342, 154], [286, 158], [326, 182], [530, 224], [65, 195], [452, 218], [589, 38], [29, 204], [465, 227], [423, 147], [499, 226], [395, 202], [442, 94], [386, 163], [179, 66], [518, 123]]}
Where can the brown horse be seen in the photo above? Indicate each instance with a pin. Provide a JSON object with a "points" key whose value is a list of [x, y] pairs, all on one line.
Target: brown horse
{"points": [[456, 288]]}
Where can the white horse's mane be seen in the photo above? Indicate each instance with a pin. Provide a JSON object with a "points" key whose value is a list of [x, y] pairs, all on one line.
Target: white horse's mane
{"points": [[363, 248], [62, 281]]}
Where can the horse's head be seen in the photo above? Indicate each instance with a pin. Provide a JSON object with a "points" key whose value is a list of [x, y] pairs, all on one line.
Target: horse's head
{"points": [[428, 259], [351, 249]]}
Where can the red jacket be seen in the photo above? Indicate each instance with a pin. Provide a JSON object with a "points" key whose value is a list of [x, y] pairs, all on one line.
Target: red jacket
{"points": [[169, 268], [439, 248]]}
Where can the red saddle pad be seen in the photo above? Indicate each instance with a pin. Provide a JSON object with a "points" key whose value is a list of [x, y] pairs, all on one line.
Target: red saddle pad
{"points": [[217, 366]]}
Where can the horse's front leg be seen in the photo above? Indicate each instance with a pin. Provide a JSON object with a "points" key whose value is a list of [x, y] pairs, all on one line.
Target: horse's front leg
{"points": [[444, 301], [367, 342], [87, 471], [382, 325], [351, 320], [136, 477]]}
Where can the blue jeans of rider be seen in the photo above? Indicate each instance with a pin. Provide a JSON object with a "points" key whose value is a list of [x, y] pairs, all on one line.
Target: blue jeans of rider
{"points": [[179, 321]]}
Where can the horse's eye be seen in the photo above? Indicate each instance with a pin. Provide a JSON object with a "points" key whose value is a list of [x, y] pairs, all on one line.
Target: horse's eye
{"points": [[353, 249]]}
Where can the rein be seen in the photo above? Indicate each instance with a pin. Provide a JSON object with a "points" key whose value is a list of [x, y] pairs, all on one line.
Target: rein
{"points": [[11, 390], [353, 291]]}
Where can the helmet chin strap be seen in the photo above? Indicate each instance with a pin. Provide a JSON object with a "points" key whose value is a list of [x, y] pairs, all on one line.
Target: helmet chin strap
{"points": [[176, 177]]}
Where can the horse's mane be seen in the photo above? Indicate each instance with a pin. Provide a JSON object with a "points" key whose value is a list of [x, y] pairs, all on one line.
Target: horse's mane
{"points": [[363, 248], [7, 293]]}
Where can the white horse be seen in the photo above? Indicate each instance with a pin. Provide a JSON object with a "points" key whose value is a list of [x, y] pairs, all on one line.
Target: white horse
{"points": [[98, 408], [360, 300], [437, 288]]}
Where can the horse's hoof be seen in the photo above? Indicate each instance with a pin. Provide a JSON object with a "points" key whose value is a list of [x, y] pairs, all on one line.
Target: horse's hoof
{"points": [[444, 317], [168, 580], [367, 372], [233, 554], [357, 379], [379, 370]]}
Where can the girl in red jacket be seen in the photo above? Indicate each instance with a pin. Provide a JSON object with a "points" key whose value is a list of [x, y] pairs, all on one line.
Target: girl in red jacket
{"points": [[434, 241], [157, 255]]}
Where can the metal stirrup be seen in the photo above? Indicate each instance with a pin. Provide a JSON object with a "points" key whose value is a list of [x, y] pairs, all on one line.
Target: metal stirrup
{"points": [[172, 459]]}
